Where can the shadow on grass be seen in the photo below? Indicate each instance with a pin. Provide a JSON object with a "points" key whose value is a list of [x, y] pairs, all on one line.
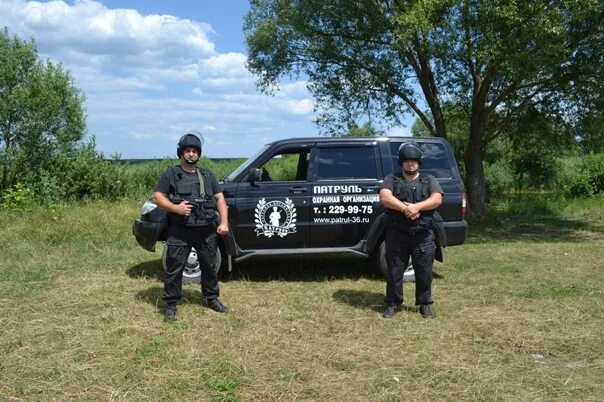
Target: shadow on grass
{"points": [[360, 299], [284, 268], [148, 269], [307, 268], [153, 296], [365, 300], [534, 229]]}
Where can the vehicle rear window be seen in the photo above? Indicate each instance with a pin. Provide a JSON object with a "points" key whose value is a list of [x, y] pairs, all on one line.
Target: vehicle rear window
{"points": [[347, 163], [434, 161]]}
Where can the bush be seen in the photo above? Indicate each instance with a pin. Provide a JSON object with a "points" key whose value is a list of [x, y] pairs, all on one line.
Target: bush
{"points": [[16, 197], [585, 178], [498, 178], [84, 174]]}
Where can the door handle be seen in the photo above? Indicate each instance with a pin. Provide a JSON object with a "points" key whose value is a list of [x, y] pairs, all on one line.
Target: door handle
{"points": [[371, 187], [297, 190]]}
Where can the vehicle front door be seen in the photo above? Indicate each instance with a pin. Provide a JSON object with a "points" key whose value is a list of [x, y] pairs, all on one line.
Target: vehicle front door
{"points": [[273, 212]]}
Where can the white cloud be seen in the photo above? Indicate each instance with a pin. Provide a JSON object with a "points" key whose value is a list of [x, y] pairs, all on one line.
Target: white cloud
{"points": [[120, 36], [304, 106], [295, 89], [399, 132], [226, 64], [149, 78]]}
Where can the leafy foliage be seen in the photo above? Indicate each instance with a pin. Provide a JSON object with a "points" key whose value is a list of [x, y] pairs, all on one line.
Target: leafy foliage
{"points": [[586, 178], [40, 109], [366, 130], [17, 197], [282, 168], [590, 131], [499, 178], [492, 58]]}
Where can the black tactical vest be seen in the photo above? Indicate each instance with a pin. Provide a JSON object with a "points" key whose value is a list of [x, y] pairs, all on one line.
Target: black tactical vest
{"points": [[406, 192], [204, 210]]}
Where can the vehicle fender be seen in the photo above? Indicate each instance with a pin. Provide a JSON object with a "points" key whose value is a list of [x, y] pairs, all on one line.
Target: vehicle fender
{"points": [[375, 234]]}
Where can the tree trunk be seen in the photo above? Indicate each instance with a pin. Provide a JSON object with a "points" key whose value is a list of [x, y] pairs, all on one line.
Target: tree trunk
{"points": [[473, 158], [439, 122]]}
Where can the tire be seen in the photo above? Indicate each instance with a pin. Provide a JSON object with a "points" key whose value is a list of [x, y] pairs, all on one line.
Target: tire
{"points": [[408, 276], [192, 272]]}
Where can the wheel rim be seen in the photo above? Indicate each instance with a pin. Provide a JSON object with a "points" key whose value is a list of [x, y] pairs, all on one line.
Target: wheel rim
{"points": [[192, 265], [192, 268]]}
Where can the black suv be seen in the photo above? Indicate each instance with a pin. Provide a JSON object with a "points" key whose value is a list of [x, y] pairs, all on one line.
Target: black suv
{"points": [[318, 195]]}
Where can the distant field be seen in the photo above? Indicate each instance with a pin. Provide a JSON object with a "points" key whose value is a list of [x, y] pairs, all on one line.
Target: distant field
{"points": [[141, 161], [520, 313]]}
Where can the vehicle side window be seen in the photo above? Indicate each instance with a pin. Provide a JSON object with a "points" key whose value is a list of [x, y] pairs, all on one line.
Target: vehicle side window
{"points": [[347, 163], [288, 165], [434, 161]]}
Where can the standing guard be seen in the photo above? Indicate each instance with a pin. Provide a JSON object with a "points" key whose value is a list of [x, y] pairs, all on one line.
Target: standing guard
{"points": [[197, 212], [411, 199]]}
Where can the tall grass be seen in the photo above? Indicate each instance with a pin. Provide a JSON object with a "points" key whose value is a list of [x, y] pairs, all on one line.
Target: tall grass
{"points": [[140, 178], [89, 176]]}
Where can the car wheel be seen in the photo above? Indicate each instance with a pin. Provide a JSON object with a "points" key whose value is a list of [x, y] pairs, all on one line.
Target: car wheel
{"points": [[408, 276], [192, 272]]}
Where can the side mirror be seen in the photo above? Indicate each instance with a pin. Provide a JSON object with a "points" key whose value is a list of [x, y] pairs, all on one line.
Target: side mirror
{"points": [[254, 175]]}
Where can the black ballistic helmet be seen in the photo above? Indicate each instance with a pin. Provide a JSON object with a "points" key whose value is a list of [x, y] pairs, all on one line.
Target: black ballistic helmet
{"points": [[409, 150], [189, 140]]}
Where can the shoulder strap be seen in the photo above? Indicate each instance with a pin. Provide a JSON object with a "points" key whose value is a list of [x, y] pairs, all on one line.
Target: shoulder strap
{"points": [[397, 183], [174, 178], [202, 185], [424, 180]]}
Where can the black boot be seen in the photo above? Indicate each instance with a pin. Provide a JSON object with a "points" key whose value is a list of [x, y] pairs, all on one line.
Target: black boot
{"points": [[390, 311], [170, 313], [217, 306], [424, 310]]}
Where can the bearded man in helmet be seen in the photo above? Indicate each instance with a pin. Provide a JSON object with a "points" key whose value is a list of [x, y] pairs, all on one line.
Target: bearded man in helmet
{"points": [[410, 199], [197, 213]]}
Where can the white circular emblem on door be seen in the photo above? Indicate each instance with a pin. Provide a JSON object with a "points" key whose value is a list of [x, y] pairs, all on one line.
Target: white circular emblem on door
{"points": [[275, 218]]}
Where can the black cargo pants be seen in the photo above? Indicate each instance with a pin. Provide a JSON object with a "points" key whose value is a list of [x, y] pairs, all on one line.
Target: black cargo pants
{"points": [[399, 246], [179, 243]]}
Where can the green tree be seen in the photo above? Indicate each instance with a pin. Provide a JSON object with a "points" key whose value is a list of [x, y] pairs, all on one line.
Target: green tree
{"points": [[41, 111], [590, 131], [366, 130], [533, 157], [457, 130], [493, 58]]}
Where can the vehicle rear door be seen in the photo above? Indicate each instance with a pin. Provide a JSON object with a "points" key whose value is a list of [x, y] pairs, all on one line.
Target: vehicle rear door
{"points": [[346, 180]]}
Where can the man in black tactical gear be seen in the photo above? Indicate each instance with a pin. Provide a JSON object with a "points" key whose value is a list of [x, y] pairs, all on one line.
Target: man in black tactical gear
{"points": [[410, 199], [197, 212]]}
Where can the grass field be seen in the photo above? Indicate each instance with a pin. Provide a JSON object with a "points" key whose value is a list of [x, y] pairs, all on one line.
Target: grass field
{"points": [[520, 316]]}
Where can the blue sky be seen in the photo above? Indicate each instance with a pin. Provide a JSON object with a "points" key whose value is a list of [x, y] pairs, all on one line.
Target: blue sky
{"points": [[151, 70]]}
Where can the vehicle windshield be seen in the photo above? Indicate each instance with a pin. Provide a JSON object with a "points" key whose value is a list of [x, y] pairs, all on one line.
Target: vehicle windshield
{"points": [[245, 165]]}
